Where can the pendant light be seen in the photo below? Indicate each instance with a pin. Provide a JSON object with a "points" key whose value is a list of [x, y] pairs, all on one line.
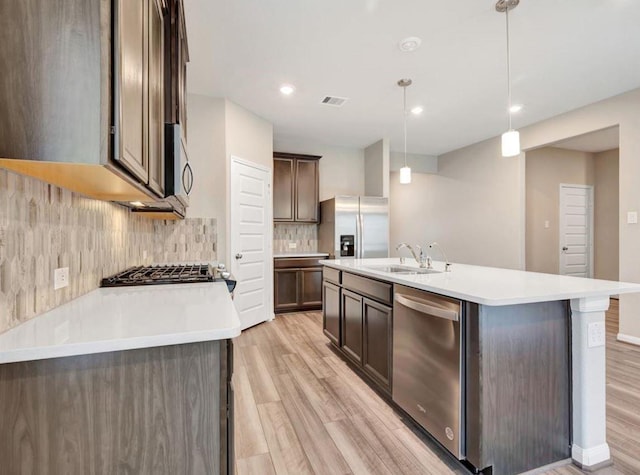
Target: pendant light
{"points": [[511, 138], [405, 172]]}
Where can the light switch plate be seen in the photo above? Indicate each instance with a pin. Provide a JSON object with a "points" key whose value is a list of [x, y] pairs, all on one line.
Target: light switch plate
{"points": [[596, 334], [546, 224], [60, 278], [293, 245], [632, 217]]}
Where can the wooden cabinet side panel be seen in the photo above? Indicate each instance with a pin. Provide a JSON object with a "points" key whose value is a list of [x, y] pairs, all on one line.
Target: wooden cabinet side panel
{"points": [[54, 81], [140, 411], [525, 385], [283, 189]]}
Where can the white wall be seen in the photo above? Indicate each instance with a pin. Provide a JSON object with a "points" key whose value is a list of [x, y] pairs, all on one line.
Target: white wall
{"points": [[418, 163], [481, 208], [341, 168], [546, 169], [219, 129], [464, 208], [607, 212], [206, 149], [376, 169]]}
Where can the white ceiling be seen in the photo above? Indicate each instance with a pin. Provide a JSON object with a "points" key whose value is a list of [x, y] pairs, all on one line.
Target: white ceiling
{"points": [[594, 142], [566, 54]]}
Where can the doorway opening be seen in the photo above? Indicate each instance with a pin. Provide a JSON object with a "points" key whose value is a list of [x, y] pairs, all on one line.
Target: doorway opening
{"points": [[572, 206]]}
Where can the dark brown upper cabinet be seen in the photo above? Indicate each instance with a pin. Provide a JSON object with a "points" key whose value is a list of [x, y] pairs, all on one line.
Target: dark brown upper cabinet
{"points": [[84, 105], [295, 188], [176, 59]]}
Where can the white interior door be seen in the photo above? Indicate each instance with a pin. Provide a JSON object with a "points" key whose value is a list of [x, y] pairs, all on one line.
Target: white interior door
{"points": [[250, 241], [576, 230]]}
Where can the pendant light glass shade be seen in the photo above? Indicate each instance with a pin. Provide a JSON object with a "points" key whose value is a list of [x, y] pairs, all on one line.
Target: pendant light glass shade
{"points": [[511, 138], [405, 172], [405, 175], [511, 143]]}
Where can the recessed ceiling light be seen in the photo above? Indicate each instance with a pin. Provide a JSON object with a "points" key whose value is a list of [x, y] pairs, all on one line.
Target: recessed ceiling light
{"points": [[410, 44], [417, 110], [515, 108], [287, 89]]}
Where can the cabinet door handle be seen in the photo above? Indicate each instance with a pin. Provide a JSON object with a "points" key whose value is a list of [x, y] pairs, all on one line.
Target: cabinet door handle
{"points": [[238, 256]]}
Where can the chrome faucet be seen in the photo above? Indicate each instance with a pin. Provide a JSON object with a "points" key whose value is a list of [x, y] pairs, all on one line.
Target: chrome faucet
{"points": [[423, 260], [447, 265]]}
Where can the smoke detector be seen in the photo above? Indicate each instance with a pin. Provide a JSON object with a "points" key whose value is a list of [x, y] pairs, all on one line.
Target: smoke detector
{"points": [[333, 101], [410, 44]]}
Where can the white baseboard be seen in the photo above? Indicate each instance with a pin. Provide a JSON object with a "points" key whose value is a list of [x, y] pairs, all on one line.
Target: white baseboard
{"points": [[592, 456], [634, 340]]}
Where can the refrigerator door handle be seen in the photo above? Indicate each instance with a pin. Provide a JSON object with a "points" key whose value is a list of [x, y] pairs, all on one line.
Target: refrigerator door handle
{"points": [[357, 253], [361, 236]]}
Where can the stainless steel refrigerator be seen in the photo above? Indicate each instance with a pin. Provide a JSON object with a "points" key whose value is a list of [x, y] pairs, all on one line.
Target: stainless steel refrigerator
{"points": [[354, 226]]}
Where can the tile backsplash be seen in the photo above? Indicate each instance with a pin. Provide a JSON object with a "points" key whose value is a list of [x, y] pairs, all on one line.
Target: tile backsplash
{"points": [[304, 235], [43, 227]]}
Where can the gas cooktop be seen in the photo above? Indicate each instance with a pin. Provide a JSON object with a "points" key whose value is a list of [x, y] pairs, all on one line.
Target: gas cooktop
{"points": [[156, 275]]}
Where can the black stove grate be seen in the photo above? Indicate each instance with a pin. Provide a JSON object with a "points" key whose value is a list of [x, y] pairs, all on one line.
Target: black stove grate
{"points": [[176, 274]]}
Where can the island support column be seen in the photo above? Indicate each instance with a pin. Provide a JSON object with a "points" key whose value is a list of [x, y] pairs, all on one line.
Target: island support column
{"points": [[590, 449]]}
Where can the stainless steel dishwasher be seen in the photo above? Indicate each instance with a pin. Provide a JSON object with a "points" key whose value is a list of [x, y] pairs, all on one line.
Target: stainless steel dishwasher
{"points": [[428, 363]]}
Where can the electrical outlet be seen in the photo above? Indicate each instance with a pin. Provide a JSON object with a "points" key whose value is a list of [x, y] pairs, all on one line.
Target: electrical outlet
{"points": [[546, 224], [293, 245], [596, 334], [60, 278], [632, 217]]}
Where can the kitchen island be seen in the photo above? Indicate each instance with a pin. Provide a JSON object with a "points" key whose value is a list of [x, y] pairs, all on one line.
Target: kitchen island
{"points": [[528, 350], [121, 380]]}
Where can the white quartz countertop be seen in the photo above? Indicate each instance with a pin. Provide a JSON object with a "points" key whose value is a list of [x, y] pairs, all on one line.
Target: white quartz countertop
{"points": [[283, 255], [488, 285], [125, 318]]}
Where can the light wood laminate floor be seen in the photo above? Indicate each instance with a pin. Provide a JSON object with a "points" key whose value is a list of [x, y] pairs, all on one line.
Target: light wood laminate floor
{"points": [[301, 410]]}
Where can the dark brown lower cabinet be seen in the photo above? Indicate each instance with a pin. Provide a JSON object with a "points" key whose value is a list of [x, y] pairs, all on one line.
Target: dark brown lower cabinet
{"points": [[286, 290], [297, 285], [360, 327], [352, 325], [331, 313], [377, 336]]}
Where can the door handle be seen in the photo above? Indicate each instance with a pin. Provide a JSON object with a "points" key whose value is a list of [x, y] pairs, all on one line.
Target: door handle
{"points": [[426, 308], [565, 248], [238, 256]]}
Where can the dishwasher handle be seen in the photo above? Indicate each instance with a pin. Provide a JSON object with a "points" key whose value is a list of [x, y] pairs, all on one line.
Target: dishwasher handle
{"points": [[424, 306]]}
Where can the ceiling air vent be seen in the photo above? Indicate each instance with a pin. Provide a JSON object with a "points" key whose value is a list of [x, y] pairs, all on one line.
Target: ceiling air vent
{"points": [[334, 101]]}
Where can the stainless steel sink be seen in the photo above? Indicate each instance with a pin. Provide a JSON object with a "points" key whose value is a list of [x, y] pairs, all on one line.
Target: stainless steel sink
{"points": [[404, 270]]}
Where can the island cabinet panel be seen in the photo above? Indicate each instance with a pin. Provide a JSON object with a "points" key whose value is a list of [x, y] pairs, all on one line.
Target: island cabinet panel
{"points": [[153, 410], [358, 325], [295, 188], [352, 324], [331, 312], [378, 339], [518, 386]]}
